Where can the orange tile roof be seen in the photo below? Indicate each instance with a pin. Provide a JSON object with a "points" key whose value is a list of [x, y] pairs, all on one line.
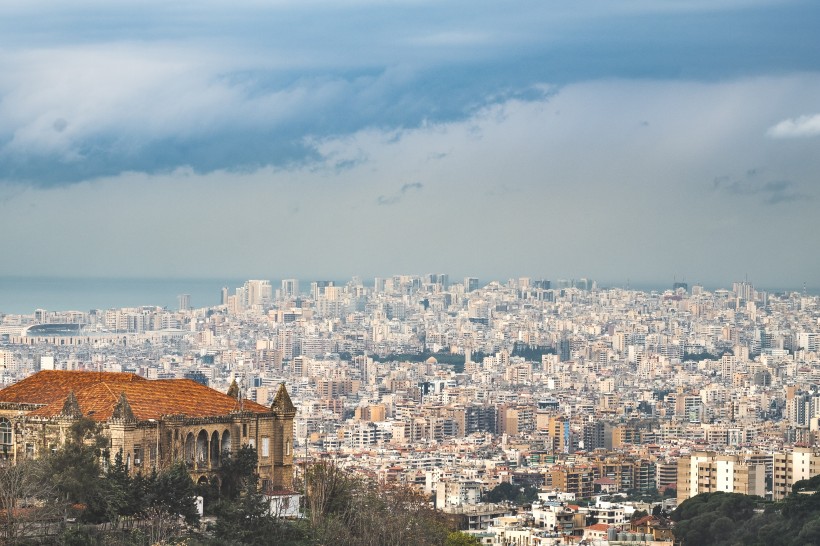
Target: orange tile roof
{"points": [[49, 385], [98, 393]]}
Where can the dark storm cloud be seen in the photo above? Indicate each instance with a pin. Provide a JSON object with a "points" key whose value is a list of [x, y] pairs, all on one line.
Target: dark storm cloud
{"points": [[218, 86]]}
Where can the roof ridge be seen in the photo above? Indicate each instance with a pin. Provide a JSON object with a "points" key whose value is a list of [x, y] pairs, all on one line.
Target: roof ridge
{"points": [[113, 395]]}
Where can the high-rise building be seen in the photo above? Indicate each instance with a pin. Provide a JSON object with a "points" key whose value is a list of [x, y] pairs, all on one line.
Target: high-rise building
{"points": [[257, 292], [184, 302], [6, 360], [290, 288], [470, 284], [801, 463], [707, 472], [317, 288], [43, 362]]}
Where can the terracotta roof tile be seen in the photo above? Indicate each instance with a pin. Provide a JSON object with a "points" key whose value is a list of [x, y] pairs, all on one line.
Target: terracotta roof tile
{"points": [[98, 393], [49, 385]]}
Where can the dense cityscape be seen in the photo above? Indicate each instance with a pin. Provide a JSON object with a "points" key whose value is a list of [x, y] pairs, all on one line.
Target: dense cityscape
{"points": [[599, 403], [409, 273]]}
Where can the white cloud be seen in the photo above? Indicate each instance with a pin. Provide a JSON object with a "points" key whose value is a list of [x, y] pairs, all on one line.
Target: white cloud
{"points": [[800, 127], [605, 175], [64, 102]]}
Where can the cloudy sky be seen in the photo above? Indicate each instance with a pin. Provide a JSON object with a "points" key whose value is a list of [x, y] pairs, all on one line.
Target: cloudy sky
{"points": [[632, 139]]}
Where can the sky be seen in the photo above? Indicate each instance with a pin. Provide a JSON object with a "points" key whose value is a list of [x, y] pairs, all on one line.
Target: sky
{"points": [[647, 140]]}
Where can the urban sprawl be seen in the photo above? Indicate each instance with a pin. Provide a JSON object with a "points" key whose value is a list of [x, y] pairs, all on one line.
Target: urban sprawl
{"points": [[628, 399]]}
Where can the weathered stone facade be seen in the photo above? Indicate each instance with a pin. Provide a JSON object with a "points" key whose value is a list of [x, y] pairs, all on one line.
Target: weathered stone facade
{"points": [[152, 423]]}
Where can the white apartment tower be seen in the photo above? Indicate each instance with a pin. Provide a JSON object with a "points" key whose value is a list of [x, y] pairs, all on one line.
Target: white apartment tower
{"points": [[290, 288], [707, 472]]}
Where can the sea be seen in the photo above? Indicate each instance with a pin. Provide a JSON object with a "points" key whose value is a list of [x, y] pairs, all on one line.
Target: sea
{"points": [[23, 295]]}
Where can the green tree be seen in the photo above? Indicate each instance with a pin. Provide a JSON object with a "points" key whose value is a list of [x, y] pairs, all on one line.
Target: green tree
{"points": [[245, 518], [457, 538], [76, 473], [504, 491], [638, 514], [116, 490], [714, 518], [169, 496], [237, 471]]}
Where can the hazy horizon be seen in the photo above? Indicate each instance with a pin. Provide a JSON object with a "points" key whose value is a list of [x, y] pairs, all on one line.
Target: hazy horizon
{"points": [[23, 295]]}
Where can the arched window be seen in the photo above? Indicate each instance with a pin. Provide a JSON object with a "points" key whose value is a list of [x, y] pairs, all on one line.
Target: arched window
{"points": [[6, 447]]}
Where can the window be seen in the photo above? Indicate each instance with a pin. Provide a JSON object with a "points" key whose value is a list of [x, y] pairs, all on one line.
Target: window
{"points": [[252, 443], [265, 446], [29, 451], [244, 429], [137, 455], [6, 446]]}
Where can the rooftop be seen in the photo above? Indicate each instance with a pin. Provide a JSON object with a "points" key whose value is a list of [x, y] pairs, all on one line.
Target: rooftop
{"points": [[98, 393]]}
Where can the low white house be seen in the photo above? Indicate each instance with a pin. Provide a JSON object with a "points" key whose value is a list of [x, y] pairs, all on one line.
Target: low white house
{"points": [[284, 504]]}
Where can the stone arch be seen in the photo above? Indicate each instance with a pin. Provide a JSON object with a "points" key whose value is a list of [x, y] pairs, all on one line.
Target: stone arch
{"points": [[202, 448], [226, 443], [215, 449], [190, 448], [203, 480]]}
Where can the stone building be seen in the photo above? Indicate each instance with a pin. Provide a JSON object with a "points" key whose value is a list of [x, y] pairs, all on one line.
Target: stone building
{"points": [[153, 423]]}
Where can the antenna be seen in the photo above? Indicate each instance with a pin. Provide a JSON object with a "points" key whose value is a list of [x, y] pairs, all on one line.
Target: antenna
{"points": [[241, 393]]}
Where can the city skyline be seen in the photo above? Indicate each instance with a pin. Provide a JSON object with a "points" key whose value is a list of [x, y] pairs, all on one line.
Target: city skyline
{"points": [[643, 141], [24, 295]]}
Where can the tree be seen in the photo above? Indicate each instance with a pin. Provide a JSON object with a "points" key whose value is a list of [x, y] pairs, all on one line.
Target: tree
{"points": [[504, 491], [26, 503], [638, 514], [457, 538], [715, 518], [244, 517], [118, 491], [238, 471], [350, 510], [328, 490], [75, 471], [170, 496]]}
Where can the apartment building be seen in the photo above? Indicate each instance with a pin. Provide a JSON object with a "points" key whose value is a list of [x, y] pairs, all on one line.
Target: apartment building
{"points": [[708, 472], [801, 463]]}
